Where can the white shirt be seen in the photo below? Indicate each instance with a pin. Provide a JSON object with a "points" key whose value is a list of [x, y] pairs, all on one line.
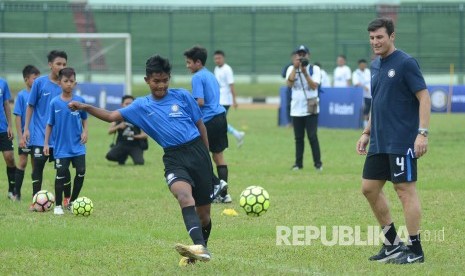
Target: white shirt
{"points": [[325, 82], [363, 79], [341, 75], [298, 98], [225, 77]]}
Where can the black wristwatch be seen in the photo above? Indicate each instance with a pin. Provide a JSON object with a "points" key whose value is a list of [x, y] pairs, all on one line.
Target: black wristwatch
{"points": [[423, 131]]}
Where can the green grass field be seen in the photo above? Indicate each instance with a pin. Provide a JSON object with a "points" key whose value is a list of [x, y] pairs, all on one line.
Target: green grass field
{"points": [[136, 221]]}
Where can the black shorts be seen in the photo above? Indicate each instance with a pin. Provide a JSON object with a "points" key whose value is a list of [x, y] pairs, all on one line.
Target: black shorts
{"points": [[25, 151], [396, 168], [217, 131], [38, 154], [366, 106], [5, 143], [79, 162], [191, 162]]}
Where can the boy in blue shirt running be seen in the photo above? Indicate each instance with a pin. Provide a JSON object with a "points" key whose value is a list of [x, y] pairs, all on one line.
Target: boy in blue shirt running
{"points": [[206, 91], [70, 131], [173, 119]]}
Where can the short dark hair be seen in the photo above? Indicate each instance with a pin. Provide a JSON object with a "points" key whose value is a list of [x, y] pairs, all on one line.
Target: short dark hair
{"points": [[157, 64], [56, 53], [30, 70], [219, 52], [342, 56], [362, 60], [380, 23], [197, 53], [126, 97], [66, 72]]}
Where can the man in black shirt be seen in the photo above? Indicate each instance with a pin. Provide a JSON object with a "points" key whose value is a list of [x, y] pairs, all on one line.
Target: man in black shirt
{"points": [[128, 140]]}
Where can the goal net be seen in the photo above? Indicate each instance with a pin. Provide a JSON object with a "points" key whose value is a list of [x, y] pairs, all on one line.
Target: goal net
{"points": [[96, 57]]}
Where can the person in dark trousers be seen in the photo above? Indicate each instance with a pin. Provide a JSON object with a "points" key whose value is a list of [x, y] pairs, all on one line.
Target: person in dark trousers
{"points": [[397, 134], [129, 139], [304, 79]]}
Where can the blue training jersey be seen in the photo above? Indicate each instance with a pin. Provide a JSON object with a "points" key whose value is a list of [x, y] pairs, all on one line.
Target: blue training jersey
{"points": [[67, 128], [395, 80], [170, 121], [42, 92], [4, 96], [21, 106], [205, 86]]}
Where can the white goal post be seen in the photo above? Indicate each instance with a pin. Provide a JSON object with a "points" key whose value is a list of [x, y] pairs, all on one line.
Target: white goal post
{"points": [[89, 43]]}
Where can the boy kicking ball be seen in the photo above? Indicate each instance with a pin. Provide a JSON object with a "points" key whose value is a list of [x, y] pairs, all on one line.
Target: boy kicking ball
{"points": [[173, 119]]}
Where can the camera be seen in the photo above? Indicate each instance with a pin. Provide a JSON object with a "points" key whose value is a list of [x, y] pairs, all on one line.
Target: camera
{"points": [[304, 61]]}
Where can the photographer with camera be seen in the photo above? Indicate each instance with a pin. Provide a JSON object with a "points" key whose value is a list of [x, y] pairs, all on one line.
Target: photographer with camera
{"points": [[304, 78], [130, 140]]}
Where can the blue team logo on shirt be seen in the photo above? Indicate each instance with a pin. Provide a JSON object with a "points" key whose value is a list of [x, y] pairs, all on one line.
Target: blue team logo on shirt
{"points": [[391, 73], [175, 111]]}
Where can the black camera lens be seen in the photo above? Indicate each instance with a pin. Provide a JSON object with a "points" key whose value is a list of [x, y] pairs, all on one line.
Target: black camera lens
{"points": [[304, 62]]}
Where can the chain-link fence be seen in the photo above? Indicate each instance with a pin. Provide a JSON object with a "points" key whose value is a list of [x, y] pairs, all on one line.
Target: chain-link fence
{"points": [[257, 40]]}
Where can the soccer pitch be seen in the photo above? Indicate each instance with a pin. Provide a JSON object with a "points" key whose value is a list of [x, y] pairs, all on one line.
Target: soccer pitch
{"points": [[136, 221]]}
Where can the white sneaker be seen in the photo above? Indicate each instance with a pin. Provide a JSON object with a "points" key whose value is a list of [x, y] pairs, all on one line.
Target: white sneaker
{"points": [[240, 138], [226, 199], [58, 210], [218, 189]]}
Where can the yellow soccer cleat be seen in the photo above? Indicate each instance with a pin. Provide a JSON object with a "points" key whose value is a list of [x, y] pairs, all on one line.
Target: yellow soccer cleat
{"points": [[185, 261], [197, 252]]}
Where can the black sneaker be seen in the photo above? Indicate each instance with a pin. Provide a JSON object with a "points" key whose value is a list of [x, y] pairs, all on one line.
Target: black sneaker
{"points": [[388, 252], [407, 257]]}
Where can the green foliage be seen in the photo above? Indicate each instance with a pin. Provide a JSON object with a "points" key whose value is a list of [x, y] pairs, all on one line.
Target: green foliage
{"points": [[136, 221]]}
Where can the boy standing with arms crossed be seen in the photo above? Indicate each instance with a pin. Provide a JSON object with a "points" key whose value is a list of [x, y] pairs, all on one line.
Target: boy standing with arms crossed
{"points": [[70, 131]]}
